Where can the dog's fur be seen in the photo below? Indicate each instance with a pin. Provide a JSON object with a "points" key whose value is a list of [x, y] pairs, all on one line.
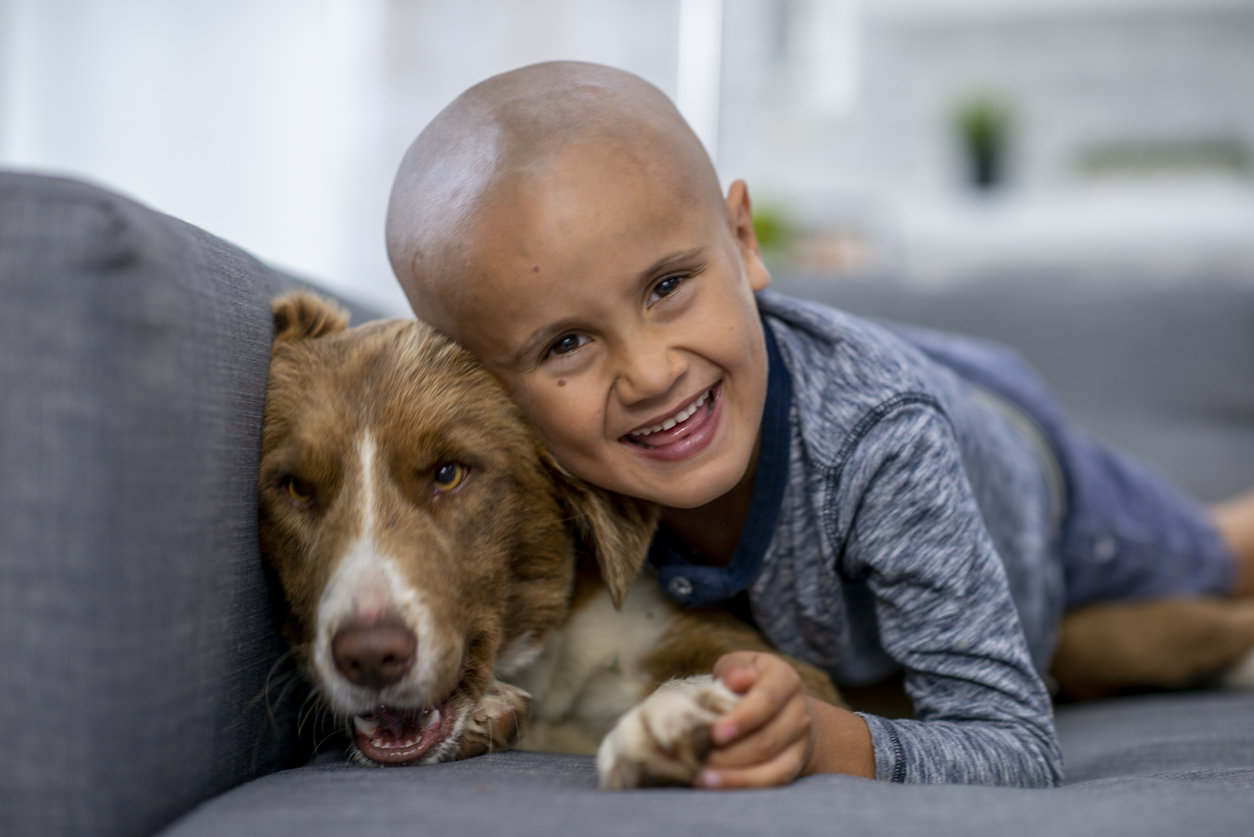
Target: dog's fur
{"points": [[517, 586]]}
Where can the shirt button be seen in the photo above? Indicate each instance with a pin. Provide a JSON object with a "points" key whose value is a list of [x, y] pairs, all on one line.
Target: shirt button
{"points": [[680, 587], [1105, 549]]}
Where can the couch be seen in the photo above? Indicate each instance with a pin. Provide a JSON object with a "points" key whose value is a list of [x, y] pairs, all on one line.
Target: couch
{"points": [[137, 628]]}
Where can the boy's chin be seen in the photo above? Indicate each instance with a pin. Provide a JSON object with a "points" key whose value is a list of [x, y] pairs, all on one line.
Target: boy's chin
{"points": [[691, 491]]}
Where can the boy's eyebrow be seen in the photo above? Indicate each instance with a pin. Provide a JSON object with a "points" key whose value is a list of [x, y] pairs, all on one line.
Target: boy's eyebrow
{"points": [[684, 258], [693, 258]]}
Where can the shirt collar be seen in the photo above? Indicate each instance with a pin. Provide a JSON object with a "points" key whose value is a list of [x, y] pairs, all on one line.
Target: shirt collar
{"points": [[697, 585]]}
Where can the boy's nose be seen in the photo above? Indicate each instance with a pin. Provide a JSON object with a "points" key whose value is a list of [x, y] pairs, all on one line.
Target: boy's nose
{"points": [[647, 372]]}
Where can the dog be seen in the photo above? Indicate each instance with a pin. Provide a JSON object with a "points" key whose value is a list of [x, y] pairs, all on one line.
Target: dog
{"points": [[450, 589]]}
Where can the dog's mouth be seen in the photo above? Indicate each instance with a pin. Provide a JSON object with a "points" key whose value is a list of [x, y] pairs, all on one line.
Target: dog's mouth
{"points": [[391, 735]]}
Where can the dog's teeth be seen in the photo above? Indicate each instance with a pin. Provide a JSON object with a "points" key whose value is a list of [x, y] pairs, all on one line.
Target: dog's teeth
{"points": [[433, 718], [367, 728]]}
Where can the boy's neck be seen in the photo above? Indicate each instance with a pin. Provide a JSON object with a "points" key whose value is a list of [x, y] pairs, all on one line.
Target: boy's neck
{"points": [[712, 532]]}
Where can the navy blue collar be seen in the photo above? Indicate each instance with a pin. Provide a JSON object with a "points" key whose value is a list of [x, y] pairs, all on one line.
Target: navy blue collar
{"points": [[697, 585]]}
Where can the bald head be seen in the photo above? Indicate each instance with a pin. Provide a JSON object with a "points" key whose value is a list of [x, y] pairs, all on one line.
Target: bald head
{"points": [[508, 132]]}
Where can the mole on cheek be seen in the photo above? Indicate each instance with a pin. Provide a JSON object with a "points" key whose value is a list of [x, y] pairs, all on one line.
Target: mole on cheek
{"points": [[561, 382]]}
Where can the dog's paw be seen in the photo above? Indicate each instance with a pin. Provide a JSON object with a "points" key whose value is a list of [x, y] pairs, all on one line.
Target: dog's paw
{"points": [[664, 740], [497, 722]]}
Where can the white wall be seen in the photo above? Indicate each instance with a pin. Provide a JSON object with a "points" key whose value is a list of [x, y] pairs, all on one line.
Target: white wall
{"points": [[278, 124]]}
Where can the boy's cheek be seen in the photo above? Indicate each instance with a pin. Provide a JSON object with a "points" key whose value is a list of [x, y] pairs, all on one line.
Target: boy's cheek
{"points": [[565, 418]]}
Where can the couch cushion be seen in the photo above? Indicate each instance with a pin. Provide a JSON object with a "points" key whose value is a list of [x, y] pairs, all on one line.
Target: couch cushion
{"points": [[1204, 736], [1140, 759], [135, 625], [1165, 371]]}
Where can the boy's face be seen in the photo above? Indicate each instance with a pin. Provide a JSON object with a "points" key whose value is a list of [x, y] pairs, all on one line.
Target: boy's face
{"points": [[616, 305]]}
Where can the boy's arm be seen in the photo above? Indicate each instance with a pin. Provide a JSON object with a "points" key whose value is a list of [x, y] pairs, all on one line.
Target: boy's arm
{"points": [[944, 610]]}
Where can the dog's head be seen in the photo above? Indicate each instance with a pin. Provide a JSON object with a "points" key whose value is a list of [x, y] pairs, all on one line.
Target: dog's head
{"points": [[422, 536]]}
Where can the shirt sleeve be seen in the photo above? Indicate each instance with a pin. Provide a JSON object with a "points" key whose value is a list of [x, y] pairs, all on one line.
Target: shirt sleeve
{"points": [[913, 532]]}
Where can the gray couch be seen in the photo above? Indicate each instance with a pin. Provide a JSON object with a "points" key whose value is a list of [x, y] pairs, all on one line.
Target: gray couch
{"points": [[136, 626]]}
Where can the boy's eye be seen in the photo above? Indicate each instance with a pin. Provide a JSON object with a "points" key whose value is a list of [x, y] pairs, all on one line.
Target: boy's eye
{"points": [[567, 344], [666, 287]]}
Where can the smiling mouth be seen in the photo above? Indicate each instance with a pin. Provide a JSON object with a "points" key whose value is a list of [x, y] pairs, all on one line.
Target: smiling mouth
{"points": [[391, 735], [672, 428]]}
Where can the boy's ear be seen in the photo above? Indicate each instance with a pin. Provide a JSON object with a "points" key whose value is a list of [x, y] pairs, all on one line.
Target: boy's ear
{"points": [[740, 219], [300, 315], [615, 528]]}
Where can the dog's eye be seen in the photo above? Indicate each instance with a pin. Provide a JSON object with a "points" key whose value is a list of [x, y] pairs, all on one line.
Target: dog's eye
{"points": [[448, 476], [300, 491]]}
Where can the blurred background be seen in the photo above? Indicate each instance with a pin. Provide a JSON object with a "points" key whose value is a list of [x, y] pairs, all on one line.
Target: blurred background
{"points": [[923, 141]]}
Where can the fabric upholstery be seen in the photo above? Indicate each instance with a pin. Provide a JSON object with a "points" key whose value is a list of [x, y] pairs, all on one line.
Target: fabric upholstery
{"points": [[135, 625], [1168, 765]]}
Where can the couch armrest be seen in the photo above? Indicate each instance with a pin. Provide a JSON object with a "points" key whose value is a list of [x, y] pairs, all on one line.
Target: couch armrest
{"points": [[136, 630]]}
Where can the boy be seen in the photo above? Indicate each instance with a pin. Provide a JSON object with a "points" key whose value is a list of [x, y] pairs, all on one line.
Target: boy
{"points": [[885, 501]]}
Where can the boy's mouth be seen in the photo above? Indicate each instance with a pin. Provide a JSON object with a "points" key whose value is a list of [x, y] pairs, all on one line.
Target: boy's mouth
{"points": [[684, 432]]}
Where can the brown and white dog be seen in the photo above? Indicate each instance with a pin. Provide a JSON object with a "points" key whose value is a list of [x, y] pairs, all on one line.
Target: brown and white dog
{"points": [[446, 580]]}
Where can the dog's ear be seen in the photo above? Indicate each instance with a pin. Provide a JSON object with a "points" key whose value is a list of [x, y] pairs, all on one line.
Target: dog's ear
{"points": [[615, 528], [301, 315]]}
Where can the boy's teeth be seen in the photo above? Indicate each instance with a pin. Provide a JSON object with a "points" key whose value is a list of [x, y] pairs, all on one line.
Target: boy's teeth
{"points": [[680, 417]]}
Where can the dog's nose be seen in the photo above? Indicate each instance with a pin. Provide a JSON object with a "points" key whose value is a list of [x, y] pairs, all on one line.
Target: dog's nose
{"points": [[374, 655]]}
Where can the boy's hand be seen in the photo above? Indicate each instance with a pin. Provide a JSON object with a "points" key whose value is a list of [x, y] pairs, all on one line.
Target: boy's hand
{"points": [[776, 733], [767, 739]]}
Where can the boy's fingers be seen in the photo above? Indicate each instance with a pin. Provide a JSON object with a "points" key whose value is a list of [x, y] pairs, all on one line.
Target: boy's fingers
{"points": [[737, 670], [739, 679], [756, 708], [789, 726], [778, 771]]}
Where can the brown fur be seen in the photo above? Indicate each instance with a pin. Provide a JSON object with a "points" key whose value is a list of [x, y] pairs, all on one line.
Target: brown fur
{"points": [[698, 638], [1162, 643], [426, 401]]}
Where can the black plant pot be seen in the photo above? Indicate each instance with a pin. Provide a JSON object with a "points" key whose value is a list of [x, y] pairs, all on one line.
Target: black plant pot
{"points": [[983, 126], [987, 171]]}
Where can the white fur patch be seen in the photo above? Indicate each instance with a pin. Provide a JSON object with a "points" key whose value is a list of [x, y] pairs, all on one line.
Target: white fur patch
{"points": [[647, 739], [366, 585], [520, 654], [588, 673]]}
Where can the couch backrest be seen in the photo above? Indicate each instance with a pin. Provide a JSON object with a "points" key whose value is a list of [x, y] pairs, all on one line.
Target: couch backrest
{"points": [[136, 630], [1163, 370]]}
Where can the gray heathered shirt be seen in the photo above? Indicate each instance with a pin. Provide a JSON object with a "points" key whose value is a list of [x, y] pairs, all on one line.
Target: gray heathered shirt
{"points": [[914, 530]]}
